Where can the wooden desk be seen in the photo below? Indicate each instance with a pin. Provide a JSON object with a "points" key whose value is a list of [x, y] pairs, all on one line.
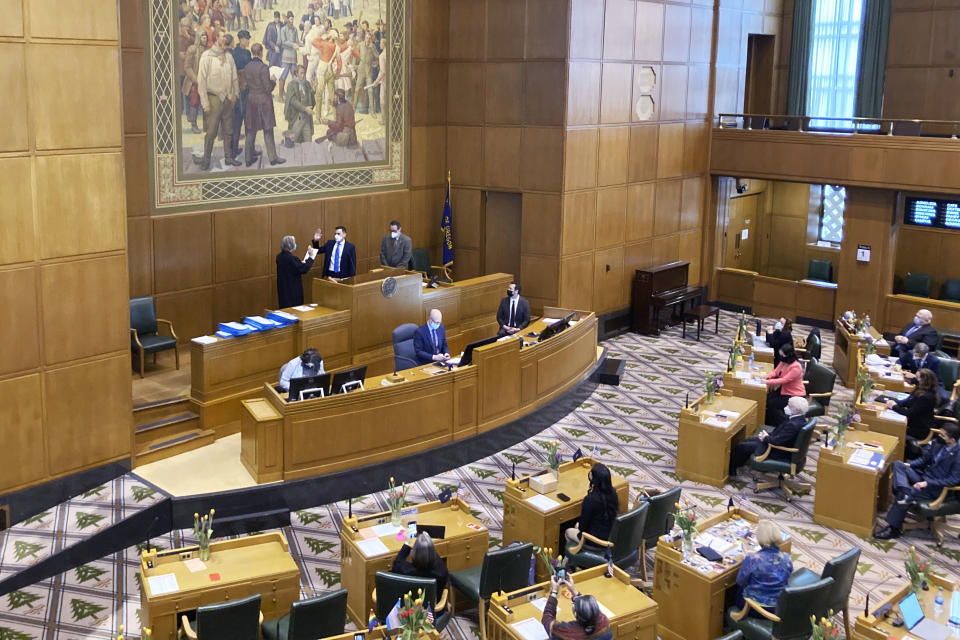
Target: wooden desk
{"points": [[461, 547], [870, 627], [758, 347], [752, 387], [691, 602], [876, 418], [523, 522], [634, 614], [846, 496], [256, 564], [703, 450], [431, 406], [845, 351]]}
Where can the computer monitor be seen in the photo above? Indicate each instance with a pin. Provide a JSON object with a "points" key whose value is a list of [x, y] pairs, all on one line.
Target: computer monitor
{"points": [[307, 387], [556, 327], [348, 380], [467, 356]]}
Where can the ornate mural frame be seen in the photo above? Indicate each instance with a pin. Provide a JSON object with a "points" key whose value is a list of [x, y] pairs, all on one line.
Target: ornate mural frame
{"points": [[173, 192]]}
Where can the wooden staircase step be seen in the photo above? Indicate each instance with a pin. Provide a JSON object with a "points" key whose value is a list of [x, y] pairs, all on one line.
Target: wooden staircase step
{"points": [[149, 412], [174, 445], [165, 428]]}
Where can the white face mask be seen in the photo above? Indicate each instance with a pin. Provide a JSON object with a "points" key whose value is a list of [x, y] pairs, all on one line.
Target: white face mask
{"points": [[338, 237], [778, 326], [394, 234]]}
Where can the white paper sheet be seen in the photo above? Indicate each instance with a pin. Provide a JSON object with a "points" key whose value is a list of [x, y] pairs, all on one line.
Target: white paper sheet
{"points": [[195, 565], [543, 503], [166, 583], [730, 415], [530, 629], [717, 422], [893, 415], [205, 340], [286, 316], [386, 529], [755, 382], [742, 375], [550, 321], [302, 307], [372, 547]]}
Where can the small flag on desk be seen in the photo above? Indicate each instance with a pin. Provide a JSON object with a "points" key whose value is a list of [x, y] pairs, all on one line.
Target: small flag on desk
{"points": [[730, 503], [446, 228], [577, 454], [445, 495], [372, 621], [596, 452]]}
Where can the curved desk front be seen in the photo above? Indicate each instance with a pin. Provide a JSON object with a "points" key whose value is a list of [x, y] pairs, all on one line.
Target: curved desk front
{"points": [[429, 408]]}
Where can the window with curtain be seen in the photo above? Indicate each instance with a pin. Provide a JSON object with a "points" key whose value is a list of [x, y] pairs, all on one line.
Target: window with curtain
{"points": [[834, 50]]}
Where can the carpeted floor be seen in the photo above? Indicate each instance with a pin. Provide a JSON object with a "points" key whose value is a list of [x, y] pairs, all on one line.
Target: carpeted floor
{"points": [[632, 426]]}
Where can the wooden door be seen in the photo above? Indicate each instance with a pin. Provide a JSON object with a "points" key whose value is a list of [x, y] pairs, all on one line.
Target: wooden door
{"points": [[758, 88], [741, 236]]}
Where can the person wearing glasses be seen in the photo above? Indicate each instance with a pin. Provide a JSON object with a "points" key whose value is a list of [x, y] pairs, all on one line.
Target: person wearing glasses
{"points": [[588, 622]]}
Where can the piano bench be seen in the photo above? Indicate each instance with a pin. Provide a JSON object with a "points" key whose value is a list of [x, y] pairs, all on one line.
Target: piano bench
{"points": [[698, 314]]}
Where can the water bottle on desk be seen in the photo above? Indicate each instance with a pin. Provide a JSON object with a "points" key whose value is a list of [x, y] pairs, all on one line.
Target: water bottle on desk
{"points": [[938, 602], [751, 359]]}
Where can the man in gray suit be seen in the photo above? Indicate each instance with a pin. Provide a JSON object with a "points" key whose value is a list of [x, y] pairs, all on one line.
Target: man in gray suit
{"points": [[396, 248]]}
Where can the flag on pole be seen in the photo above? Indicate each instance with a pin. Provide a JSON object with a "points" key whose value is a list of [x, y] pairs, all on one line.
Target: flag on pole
{"points": [[446, 228]]}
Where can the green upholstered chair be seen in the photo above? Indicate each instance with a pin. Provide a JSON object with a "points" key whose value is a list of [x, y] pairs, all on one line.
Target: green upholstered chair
{"points": [[660, 512], [626, 537], [950, 290], [420, 261], [735, 635], [821, 270], [933, 514], [949, 372], [812, 346], [390, 587], [819, 382], [843, 570], [319, 617], [786, 470], [144, 331], [506, 569], [791, 620], [230, 620], [917, 284]]}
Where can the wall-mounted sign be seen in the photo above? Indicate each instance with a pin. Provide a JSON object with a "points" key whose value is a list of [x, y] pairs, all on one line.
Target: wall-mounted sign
{"points": [[863, 253]]}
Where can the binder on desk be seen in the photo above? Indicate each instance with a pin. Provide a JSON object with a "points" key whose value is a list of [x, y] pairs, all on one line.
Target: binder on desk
{"points": [[282, 318], [223, 334], [235, 328], [261, 323]]}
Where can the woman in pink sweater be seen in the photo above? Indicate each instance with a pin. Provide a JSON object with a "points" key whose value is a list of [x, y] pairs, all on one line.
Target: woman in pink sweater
{"points": [[784, 382]]}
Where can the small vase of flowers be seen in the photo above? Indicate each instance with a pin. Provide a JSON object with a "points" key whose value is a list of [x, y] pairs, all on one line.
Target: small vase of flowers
{"points": [[686, 519], [554, 564], [824, 629], [396, 498], [413, 617], [203, 530], [547, 481], [845, 417], [712, 383], [917, 570]]}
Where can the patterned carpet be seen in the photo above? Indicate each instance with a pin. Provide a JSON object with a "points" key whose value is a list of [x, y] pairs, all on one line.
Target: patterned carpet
{"points": [[633, 427]]}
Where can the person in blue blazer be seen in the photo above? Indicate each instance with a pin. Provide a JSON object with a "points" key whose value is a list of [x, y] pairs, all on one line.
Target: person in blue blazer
{"points": [[340, 257], [430, 340], [921, 358]]}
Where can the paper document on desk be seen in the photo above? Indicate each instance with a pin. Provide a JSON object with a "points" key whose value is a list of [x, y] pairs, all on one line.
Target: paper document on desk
{"points": [[205, 340], [892, 376], [729, 415], [721, 546], [717, 422], [742, 375], [530, 629], [159, 585], [876, 359], [454, 361], [866, 459], [372, 547], [302, 307], [541, 604], [889, 414], [542, 503], [387, 529]]}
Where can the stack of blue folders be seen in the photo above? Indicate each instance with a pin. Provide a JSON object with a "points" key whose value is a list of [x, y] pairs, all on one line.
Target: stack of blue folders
{"points": [[234, 329], [259, 323], [282, 318]]}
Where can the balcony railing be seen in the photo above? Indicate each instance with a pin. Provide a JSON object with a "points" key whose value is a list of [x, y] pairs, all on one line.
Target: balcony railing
{"points": [[859, 126]]}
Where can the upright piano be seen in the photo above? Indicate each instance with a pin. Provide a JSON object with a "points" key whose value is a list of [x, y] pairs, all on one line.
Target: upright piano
{"points": [[657, 287]]}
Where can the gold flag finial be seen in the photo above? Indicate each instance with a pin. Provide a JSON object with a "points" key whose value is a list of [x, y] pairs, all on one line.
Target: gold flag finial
{"points": [[448, 176]]}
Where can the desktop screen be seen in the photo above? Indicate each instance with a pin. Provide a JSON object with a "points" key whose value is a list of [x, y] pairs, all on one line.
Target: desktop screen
{"points": [[911, 611]]}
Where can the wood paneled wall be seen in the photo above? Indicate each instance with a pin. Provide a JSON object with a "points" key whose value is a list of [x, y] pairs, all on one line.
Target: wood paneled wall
{"points": [[868, 219], [930, 251], [64, 369], [922, 60], [213, 266]]}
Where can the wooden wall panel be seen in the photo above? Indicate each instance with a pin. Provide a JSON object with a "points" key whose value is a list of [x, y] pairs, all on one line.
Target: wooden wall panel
{"points": [[644, 147], [648, 40], [501, 157], [576, 281], [182, 252], [135, 106], [76, 213], [13, 78], [543, 92], [20, 339], [609, 290], [611, 217], [190, 311], [586, 30], [579, 222], [242, 244], [76, 325], [466, 227], [139, 264], [18, 240], [465, 157], [97, 21], [541, 224], [12, 25], [135, 173], [667, 217], [541, 159], [583, 93], [867, 220], [538, 276], [21, 431], [640, 211], [580, 159], [236, 300], [76, 404], [613, 149], [615, 87]]}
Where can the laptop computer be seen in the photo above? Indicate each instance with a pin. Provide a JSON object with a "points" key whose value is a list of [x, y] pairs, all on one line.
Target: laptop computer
{"points": [[436, 531], [917, 624]]}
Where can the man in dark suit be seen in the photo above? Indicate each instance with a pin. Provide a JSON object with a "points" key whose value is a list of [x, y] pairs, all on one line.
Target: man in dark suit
{"points": [[921, 358], [396, 249], [923, 478], [920, 330], [340, 257], [289, 272], [430, 340], [785, 435], [514, 311]]}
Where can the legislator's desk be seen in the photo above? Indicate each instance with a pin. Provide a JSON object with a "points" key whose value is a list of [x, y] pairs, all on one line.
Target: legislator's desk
{"points": [[846, 495], [757, 346], [464, 544], [524, 521], [236, 569], [430, 407], [879, 627], [692, 601], [845, 349], [632, 614], [748, 382], [889, 375], [706, 437], [876, 417]]}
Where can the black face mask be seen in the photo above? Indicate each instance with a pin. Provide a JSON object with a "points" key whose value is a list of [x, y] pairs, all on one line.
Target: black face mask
{"points": [[510, 293]]}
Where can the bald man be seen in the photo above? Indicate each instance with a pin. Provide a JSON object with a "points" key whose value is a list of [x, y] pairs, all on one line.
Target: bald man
{"points": [[430, 340], [920, 330]]}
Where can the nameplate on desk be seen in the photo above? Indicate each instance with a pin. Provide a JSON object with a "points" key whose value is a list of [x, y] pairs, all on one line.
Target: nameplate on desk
{"points": [[372, 547], [893, 415], [542, 503], [166, 583]]}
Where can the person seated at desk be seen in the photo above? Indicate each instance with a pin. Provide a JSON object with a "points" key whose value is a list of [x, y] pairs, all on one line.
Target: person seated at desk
{"points": [[600, 506], [422, 561], [920, 330], [922, 478], [784, 435], [921, 358], [764, 574], [309, 363], [513, 313], [788, 376], [430, 340], [782, 334], [918, 407], [341, 256], [588, 620]]}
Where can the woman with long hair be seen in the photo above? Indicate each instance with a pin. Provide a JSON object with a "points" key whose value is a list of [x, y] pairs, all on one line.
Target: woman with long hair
{"points": [[588, 621], [919, 407], [600, 506], [784, 382], [782, 334], [422, 561]]}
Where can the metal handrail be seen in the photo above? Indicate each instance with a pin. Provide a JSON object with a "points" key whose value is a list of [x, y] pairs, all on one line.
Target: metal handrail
{"points": [[869, 126]]}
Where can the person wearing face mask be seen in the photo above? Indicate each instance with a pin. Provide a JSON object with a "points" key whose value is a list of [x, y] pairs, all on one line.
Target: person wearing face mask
{"points": [[920, 330], [340, 257], [396, 249], [784, 382], [782, 334], [784, 435], [513, 314], [430, 340], [290, 270], [922, 478]]}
